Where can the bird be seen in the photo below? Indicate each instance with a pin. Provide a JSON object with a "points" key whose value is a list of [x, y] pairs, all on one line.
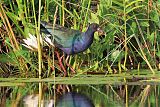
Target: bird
{"points": [[74, 99], [70, 41]]}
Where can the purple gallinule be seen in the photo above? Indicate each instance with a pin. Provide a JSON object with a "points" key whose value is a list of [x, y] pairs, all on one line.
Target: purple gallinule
{"points": [[70, 41]]}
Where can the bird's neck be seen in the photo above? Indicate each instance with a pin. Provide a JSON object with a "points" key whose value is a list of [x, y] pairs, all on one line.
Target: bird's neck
{"points": [[88, 36]]}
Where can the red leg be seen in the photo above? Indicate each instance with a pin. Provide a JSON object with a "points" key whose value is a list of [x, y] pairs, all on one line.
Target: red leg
{"points": [[66, 61], [60, 63]]}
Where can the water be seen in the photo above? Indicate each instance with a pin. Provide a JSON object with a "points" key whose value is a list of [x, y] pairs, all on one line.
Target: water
{"points": [[123, 90], [81, 96]]}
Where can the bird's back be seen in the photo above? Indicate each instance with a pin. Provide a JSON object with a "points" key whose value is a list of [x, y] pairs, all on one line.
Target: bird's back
{"points": [[62, 36]]}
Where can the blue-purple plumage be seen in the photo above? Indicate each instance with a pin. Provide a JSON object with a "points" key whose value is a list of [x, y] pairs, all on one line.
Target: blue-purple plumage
{"points": [[68, 40]]}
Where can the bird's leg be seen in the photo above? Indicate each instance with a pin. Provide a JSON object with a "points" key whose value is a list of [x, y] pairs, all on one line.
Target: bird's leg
{"points": [[66, 61], [60, 63]]}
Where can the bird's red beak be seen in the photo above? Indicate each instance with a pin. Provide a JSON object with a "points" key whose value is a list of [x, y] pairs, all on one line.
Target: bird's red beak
{"points": [[100, 31]]}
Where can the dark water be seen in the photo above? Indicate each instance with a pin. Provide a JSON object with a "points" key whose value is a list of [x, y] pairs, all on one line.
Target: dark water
{"points": [[80, 95]]}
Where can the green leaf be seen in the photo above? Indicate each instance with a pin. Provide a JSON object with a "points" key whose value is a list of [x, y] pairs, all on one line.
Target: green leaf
{"points": [[151, 37], [144, 24], [6, 58], [94, 18], [117, 55], [134, 26], [118, 2], [154, 16], [96, 66], [15, 19], [133, 2], [96, 37], [11, 57], [158, 53], [12, 15], [131, 9]]}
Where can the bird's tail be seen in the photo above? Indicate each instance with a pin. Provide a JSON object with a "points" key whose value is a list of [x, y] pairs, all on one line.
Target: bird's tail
{"points": [[32, 43]]}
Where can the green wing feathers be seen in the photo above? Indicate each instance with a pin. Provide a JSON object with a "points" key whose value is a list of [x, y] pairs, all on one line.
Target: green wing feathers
{"points": [[63, 37]]}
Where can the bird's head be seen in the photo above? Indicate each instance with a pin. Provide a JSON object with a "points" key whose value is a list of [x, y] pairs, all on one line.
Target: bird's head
{"points": [[95, 27]]}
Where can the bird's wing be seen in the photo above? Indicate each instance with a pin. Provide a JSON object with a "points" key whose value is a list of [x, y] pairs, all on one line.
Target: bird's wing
{"points": [[63, 37]]}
